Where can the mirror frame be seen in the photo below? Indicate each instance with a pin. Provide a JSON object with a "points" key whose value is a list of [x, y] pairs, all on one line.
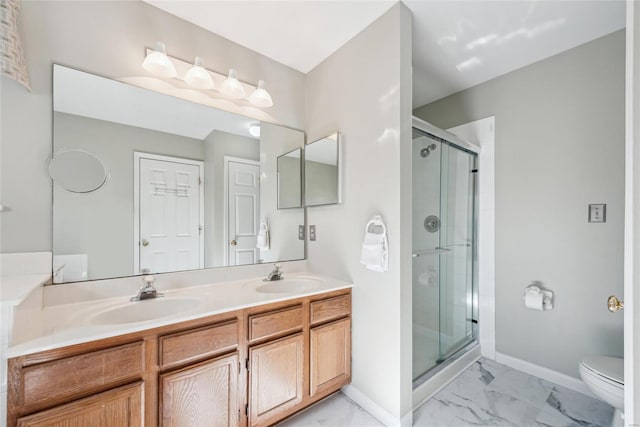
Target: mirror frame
{"points": [[338, 201], [115, 79], [302, 177]]}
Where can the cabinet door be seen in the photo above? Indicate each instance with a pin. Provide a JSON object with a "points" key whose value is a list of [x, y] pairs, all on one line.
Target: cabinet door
{"points": [[204, 395], [121, 407], [330, 356], [275, 378]]}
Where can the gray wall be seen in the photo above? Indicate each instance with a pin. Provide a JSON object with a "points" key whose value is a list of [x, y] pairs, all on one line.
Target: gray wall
{"points": [[218, 145], [107, 38], [370, 104], [100, 223], [559, 147]]}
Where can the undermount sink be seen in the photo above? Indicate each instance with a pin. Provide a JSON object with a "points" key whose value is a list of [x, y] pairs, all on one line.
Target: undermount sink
{"points": [[145, 310], [289, 285]]}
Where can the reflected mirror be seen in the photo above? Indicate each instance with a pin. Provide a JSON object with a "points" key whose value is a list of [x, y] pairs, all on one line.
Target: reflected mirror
{"points": [[188, 187], [77, 171], [289, 179], [322, 171]]}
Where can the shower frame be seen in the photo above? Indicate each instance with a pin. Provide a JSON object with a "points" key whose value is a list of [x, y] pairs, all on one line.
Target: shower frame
{"points": [[429, 383]]}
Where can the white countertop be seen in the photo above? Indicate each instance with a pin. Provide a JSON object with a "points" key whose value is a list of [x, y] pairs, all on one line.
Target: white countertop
{"points": [[67, 324], [14, 289]]}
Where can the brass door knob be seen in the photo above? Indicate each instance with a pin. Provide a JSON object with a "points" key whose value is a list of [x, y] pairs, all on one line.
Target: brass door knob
{"points": [[145, 242], [614, 304], [233, 243]]}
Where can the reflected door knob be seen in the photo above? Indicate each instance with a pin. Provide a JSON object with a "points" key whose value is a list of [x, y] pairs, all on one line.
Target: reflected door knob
{"points": [[145, 242], [614, 304], [233, 243]]}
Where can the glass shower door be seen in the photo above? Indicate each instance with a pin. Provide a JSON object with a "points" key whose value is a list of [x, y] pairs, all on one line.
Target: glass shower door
{"points": [[443, 250], [457, 196]]}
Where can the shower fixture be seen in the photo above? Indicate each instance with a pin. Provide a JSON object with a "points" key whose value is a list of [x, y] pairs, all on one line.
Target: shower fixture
{"points": [[426, 151]]}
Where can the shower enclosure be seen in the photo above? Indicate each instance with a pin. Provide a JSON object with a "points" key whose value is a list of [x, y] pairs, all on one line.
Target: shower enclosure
{"points": [[444, 252]]}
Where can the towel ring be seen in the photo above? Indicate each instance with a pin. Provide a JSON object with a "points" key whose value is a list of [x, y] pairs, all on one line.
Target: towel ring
{"points": [[376, 221]]}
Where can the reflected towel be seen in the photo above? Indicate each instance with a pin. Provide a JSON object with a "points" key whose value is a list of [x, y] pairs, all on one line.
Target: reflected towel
{"points": [[263, 240]]}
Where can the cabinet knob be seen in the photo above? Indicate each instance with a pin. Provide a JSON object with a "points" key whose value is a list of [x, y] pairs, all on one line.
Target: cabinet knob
{"points": [[233, 243], [145, 242]]}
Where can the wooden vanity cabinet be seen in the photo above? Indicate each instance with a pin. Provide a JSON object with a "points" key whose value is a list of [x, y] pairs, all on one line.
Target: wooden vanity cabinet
{"points": [[250, 367]]}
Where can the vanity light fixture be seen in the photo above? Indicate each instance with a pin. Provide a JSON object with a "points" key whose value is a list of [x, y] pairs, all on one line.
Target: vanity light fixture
{"points": [[260, 97], [254, 130], [157, 62], [232, 87], [198, 77]]}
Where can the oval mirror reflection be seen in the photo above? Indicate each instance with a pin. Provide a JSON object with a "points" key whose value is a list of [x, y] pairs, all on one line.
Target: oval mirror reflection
{"points": [[77, 171]]}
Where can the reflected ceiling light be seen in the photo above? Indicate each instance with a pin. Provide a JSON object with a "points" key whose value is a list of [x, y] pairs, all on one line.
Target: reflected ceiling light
{"points": [[198, 77], [254, 130], [157, 62], [232, 87], [260, 97]]}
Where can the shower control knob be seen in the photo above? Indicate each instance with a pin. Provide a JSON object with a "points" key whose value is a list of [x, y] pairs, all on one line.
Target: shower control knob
{"points": [[614, 304]]}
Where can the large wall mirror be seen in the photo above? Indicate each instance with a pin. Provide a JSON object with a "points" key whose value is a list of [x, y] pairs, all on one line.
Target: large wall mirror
{"points": [[322, 171], [188, 185]]}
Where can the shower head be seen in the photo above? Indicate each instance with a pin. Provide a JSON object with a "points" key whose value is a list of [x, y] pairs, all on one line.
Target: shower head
{"points": [[426, 151]]}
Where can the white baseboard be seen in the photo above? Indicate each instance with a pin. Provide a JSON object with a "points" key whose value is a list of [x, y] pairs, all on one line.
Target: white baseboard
{"points": [[545, 373], [378, 412]]}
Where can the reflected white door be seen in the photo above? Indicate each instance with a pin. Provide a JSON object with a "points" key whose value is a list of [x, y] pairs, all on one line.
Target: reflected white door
{"points": [[243, 182], [170, 236]]}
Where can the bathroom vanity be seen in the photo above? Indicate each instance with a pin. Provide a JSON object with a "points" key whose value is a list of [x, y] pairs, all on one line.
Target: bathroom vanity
{"points": [[241, 357]]}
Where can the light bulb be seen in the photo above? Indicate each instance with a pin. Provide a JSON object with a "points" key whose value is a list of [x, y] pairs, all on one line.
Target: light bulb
{"points": [[232, 87], [157, 62], [198, 77], [254, 130], [260, 97]]}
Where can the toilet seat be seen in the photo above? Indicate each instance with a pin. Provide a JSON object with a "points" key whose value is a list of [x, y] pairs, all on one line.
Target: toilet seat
{"points": [[607, 368]]}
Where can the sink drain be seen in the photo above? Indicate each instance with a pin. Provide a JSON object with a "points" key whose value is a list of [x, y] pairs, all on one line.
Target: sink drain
{"points": [[432, 223]]}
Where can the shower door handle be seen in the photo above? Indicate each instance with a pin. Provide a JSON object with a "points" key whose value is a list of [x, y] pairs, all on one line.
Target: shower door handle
{"points": [[437, 250]]}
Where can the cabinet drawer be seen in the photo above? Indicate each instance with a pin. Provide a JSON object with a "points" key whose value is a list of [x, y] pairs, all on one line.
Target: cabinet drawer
{"points": [[275, 323], [197, 344], [80, 374], [330, 308], [121, 407]]}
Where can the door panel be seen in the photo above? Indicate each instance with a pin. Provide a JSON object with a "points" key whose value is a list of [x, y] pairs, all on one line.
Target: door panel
{"points": [[244, 212], [202, 395], [330, 355], [170, 206], [275, 378]]}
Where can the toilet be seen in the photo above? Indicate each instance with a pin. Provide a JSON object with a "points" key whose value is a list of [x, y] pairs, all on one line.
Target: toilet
{"points": [[604, 376]]}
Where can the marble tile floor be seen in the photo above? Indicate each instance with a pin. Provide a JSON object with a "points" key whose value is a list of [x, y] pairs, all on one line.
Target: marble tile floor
{"points": [[486, 394]]}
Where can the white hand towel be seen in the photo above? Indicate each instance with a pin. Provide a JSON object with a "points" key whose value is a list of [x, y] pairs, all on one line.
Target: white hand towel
{"points": [[375, 248], [263, 240]]}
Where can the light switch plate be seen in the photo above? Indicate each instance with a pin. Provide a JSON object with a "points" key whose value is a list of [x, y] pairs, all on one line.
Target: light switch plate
{"points": [[312, 233], [598, 212], [301, 232]]}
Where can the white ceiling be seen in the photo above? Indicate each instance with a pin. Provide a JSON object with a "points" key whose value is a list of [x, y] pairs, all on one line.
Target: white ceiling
{"points": [[297, 33], [459, 44], [456, 44], [88, 95]]}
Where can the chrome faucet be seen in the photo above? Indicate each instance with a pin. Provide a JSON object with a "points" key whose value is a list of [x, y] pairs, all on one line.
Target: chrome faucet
{"points": [[276, 274], [147, 291]]}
